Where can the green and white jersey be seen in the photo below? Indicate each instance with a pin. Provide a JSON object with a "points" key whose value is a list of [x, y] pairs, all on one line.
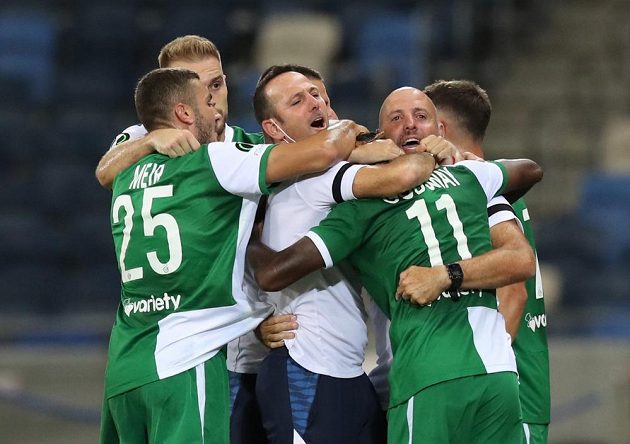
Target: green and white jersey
{"points": [[180, 228], [237, 134], [444, 220], [530, 346]]}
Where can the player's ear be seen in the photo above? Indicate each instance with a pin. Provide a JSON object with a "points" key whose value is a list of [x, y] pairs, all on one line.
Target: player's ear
{"points": [[442, 128], [270, 128], [184, 113]]}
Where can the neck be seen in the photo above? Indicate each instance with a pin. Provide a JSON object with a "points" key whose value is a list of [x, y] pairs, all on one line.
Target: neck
{"points": [[466, 144]]}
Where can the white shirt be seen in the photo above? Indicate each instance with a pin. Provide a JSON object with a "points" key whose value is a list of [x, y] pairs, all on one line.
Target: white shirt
{"points": [[332, 333]]}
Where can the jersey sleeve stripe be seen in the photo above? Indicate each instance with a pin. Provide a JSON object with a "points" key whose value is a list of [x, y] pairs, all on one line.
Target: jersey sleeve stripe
{"points": [[262, 178], [321, 247], [500, 207], [505, 176], [337, 188]]}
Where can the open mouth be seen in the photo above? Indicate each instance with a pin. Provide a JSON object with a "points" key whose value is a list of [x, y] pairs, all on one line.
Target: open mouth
{"points": [[410, 145], [318, 123]]}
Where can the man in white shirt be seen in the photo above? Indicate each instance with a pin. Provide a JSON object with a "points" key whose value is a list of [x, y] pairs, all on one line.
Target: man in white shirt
{"points": [[315, 389]]}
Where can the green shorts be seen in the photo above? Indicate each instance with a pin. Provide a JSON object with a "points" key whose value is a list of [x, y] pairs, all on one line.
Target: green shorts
{"points": [[191, 407], [474, 409], [536, 433]]}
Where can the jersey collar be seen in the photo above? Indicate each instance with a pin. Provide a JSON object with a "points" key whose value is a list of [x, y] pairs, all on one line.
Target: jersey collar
{"points": [[229, 133]]}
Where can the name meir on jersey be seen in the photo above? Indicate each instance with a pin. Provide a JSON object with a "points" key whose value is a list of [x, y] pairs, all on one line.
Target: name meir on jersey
{"points": [[146, 175], [440, 178]]}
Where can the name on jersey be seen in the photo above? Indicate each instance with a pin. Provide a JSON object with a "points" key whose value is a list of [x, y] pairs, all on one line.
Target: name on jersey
{"points": [[441, 178], [534, 322], [446, 294], [146, 175], [151, 305]]}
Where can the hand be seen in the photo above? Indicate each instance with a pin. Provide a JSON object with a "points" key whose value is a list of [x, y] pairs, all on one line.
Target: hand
{"points": [[470, 156], [374, 152], [275, 329], [364, 138], [444, 151], [173, 142], [356, 128], [422, 285]]}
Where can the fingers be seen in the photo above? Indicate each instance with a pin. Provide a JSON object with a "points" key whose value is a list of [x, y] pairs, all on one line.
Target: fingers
{"points": [[470, 156], [279, 323], [277, 340], [276, 329], [174, 142], [377, 151], [360, 129], [412, 286], [191, 141], [444, 151]]}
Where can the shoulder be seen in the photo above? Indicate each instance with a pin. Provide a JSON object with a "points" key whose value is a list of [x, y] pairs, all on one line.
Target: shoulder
{"points": [[238, 134], [133, 132], [476, 167]]}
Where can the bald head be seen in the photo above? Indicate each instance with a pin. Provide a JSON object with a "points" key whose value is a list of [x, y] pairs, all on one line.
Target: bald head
{"points": [[407, 116]]}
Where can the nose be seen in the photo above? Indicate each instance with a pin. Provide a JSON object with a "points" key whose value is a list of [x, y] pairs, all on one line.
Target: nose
{"points": [[409, 122], [316, 102]]}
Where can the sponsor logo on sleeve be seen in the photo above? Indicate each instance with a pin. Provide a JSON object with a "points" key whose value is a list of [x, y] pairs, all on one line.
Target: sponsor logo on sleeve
{"points": [[244, 146], [121, 138]]}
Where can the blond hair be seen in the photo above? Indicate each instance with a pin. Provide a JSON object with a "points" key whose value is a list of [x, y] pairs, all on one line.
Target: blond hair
{"points": [[191, 48]]}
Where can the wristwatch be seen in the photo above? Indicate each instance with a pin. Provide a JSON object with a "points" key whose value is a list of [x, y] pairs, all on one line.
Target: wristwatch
{"points": [[456, 275]]}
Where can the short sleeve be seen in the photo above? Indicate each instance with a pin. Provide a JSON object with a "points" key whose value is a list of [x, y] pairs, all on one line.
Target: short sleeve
{"points": [[240, 168], [339, 234], [133, 132], [491, 176], [500, 210], [321, 191]]}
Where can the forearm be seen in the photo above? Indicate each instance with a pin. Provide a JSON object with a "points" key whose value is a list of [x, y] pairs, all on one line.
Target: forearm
{"points": [[393, 178], [512, 300], [120, 157], [312, 155], [498, 268], [274, 271], [375, 152], [522, 175]]}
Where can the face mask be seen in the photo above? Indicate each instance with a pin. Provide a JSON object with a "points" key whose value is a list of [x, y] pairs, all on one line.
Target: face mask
{"points": [[286, 138]]}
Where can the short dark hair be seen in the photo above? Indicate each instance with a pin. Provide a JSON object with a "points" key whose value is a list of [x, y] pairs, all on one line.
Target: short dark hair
{"points": [[158, 91], [262, 109], [466, 100]]}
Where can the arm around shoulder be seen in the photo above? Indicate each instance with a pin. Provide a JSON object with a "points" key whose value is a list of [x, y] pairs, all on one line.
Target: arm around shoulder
{"points": [[397, 176], [314, 154], [168, 141], [120, 157]]}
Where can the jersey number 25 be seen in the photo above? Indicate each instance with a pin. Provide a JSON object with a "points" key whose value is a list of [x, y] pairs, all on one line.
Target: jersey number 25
{"points": [[150, 223]]}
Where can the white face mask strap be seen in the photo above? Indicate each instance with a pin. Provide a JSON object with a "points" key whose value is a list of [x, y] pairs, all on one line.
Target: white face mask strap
{"points": [[287, 138]]}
